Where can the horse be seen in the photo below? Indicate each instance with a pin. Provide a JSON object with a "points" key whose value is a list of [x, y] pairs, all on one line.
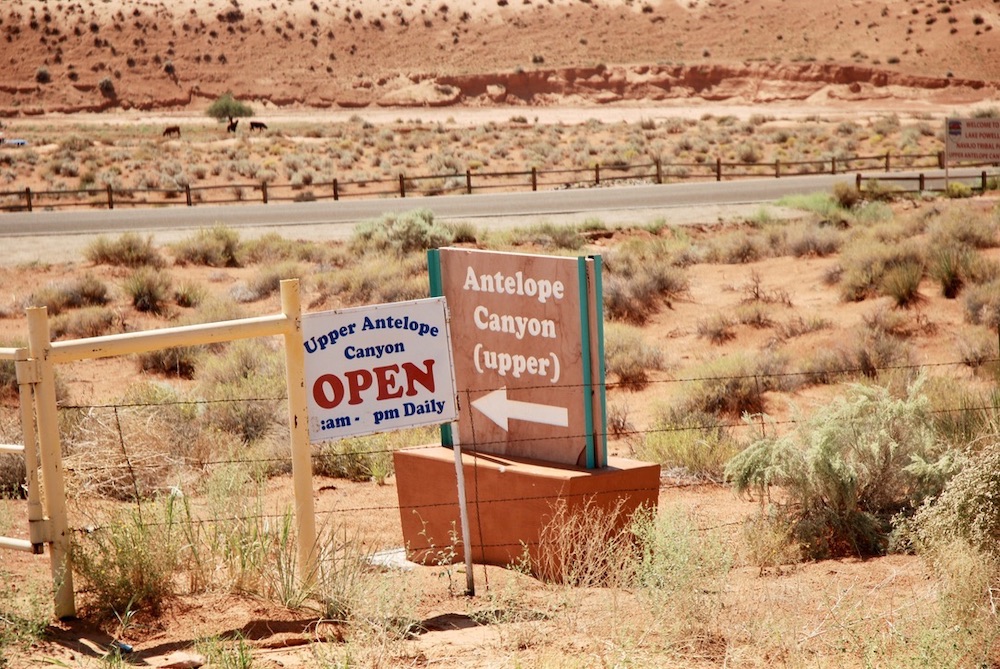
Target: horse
{"points": [[173, 130], [258, 125], [232, 126]]}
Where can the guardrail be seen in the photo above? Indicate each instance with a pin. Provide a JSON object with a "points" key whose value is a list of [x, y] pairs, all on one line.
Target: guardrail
{"points": [[470, 181]]}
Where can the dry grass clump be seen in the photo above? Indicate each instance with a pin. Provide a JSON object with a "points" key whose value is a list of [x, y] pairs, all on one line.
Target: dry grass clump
{"points": [[640, 277], [273, 248], [149, 290], [717, 328], [245, 389], [266, 281], [129, 250], [982, 304], [866, 265], [88, 290], [735, 385], [628, 356], [86, 322], [697, 443], [366, 281], [216, 247]]}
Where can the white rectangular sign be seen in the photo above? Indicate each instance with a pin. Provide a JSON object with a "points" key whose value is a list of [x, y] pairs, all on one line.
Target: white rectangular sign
{"points": [[378, 368], [972, 140]]}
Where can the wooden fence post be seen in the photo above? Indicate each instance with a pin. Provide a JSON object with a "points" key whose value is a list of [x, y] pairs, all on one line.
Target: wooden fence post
{"points": [[921, 182], [111, 200], [263, 191], [718, 169], [597, 174], [857, 182], [886, 161], [983, 186], [402, 186], [833, 165], [187, 194], [336, 192], [27, 197], [534, 179], [777, 168], [940, 157], [468, 182], [659, 171]]}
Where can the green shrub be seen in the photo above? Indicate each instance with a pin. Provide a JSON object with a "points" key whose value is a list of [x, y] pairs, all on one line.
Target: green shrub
{"points": [[958, 190], [245, 387], [734, 386], [130, 562], [217, 247], [129, 250], [968, 508], [813, 240], [226, 107], [628, 356], [463, 232], [149, 290], [849, 469], [738, 247], [377, 278], [963, 225], [273, 248], [880, 192], [401, 233], [717, 328], [696, 442]]}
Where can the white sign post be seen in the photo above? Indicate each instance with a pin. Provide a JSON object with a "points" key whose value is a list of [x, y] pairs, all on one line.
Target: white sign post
{"points": [[380, 368]]}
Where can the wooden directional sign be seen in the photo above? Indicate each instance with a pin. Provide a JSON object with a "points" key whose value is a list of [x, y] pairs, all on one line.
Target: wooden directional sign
{"points": [[523, 329], [378, 368]]}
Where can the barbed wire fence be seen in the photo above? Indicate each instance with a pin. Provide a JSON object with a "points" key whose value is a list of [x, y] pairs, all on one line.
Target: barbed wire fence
{"points": [[986, 411]]}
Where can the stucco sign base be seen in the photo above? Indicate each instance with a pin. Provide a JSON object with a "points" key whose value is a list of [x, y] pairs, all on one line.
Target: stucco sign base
{"points": [[509, 500]]}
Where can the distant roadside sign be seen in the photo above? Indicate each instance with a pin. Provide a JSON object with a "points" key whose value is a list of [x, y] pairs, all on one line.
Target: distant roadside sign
{"points": [[378, 368], [972, 140]]}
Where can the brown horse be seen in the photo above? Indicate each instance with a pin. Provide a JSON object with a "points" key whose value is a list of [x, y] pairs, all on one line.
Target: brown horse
{"points": [[232, 125], [258, 125], [172, 131]]}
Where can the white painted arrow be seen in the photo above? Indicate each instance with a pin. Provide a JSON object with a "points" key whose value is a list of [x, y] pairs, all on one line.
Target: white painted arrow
{"points": [[499, 409]]}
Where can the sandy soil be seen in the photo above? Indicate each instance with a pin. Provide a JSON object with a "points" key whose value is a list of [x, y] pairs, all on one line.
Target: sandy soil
{"points": [[479, 61]]}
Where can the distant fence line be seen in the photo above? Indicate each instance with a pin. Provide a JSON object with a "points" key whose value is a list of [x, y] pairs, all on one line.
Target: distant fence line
{"points": [[471, 181]]}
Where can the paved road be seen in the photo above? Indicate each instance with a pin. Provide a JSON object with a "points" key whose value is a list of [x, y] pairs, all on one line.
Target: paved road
{"points": [[349, 212], [478, 207]]}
